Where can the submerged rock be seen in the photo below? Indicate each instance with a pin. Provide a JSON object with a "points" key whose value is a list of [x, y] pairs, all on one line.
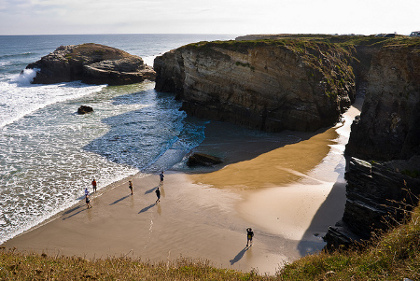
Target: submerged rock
{"points": [[92, 64], [201, 159], [83, 109]]}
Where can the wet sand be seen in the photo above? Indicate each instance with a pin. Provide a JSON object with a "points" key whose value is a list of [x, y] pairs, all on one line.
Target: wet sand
{"points": [[288, 194]]}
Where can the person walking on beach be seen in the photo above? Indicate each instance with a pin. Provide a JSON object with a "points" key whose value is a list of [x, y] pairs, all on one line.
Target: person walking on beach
{"points": [[88, 201], [161, 176], [94, 185], [158, 195], [86, 192], [130, 186], [249, 235]]}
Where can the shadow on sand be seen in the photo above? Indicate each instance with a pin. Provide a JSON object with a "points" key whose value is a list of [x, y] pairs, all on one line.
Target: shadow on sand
{"points": [[119, 200], [151, 190], [145, 209], [328, 214], [72, 215], [129, 138], [239, 256]]}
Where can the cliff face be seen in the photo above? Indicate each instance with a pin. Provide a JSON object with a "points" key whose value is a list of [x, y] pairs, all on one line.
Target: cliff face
{"points": [[92, 64], [388, 127], [268, 86], [387, 135]]}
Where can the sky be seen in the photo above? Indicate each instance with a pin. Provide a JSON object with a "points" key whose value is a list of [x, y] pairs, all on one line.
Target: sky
{"points": [[240, 17]]}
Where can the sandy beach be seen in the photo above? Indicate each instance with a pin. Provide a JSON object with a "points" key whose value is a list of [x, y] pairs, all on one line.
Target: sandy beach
{"points": [[288, 193]]}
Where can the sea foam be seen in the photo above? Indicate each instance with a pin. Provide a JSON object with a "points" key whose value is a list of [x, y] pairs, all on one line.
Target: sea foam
{"points": [[19, 98]]}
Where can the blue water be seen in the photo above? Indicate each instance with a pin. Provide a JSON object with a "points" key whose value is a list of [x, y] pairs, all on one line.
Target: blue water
{"points": [[49, 154]]}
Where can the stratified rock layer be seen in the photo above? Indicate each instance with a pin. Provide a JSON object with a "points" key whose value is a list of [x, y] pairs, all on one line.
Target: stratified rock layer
{"points": [[383, 189], [92, 64], [270, 86], [388, 127]]}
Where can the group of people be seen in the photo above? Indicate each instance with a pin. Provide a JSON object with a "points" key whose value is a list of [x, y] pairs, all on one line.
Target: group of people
{"points": [[249, 232], [130, 186]]}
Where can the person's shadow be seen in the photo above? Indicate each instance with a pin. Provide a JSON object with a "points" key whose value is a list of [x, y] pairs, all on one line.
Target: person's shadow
{"points": [[239, 256], [151, 190], [119, 200], [145, 209], [72, 215]]}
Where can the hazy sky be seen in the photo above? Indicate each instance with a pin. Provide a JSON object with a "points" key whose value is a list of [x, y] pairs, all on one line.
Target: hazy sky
{"points": [[211, 16]]}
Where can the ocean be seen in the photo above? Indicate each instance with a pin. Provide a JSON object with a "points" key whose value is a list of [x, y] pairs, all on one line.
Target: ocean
{"points": [[49, 153]]}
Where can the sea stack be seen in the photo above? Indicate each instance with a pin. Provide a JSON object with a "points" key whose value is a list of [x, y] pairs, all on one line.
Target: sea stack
{"points": [[91, 64]]}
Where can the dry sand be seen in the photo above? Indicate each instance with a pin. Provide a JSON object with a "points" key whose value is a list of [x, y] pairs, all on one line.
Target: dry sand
{"points": [[289, 195]]}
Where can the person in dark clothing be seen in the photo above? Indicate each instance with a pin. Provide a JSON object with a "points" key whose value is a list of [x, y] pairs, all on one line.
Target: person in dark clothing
{"points": [[161, 176], [158, 195], [88, 201], [130, 186], [94, 185], [249, 235]]}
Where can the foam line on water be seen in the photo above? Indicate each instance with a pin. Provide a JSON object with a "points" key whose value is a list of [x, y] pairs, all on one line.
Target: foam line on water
{"points": [[19, 98]]}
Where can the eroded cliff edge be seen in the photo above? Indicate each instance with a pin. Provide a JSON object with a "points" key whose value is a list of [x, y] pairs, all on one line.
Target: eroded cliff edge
{"points": [[269, 85], [383, 177], [305, 83]]}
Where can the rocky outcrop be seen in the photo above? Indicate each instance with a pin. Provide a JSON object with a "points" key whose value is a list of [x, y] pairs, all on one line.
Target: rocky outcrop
{"points": [[83, 109], [379, 194], [201, 159], [271, 86], [92, 64], [385, 186], [388, 127]]}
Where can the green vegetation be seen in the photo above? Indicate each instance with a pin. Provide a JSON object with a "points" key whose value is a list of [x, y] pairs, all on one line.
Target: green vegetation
{"points": [[411, 173], [328, 58], [394, 256]]}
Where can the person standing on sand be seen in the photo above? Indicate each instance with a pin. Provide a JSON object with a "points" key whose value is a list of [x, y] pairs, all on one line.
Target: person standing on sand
{"points": [[249, 235], [88, 201], [158, 195], [161, 176], [130, 186], [94, 185]]}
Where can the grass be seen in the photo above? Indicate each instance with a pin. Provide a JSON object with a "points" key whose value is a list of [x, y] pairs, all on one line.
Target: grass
{"points": [[391, 256], [18, 266]]}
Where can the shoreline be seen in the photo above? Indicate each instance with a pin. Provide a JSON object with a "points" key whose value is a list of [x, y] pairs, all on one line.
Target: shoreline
{"points": [[204, 215]]}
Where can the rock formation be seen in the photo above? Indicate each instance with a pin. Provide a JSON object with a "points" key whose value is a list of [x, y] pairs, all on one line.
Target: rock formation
{"points": [[201, 159], [270, 86], [384, 188], [83, 109], [388, 127], [92, 64]]}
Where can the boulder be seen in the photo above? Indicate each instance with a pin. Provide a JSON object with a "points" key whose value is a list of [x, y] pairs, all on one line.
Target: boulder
{"points": [[201, 159], [83, 109], [92, 64]]}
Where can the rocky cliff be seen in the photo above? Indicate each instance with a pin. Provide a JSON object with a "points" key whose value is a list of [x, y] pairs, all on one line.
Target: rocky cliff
{"points": [[388, 127], [386, 184], [269, 85], [92, 64]]}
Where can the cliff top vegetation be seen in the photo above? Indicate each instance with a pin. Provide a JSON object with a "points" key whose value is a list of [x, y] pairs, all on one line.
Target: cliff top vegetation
{"points": [[394, 256]]}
